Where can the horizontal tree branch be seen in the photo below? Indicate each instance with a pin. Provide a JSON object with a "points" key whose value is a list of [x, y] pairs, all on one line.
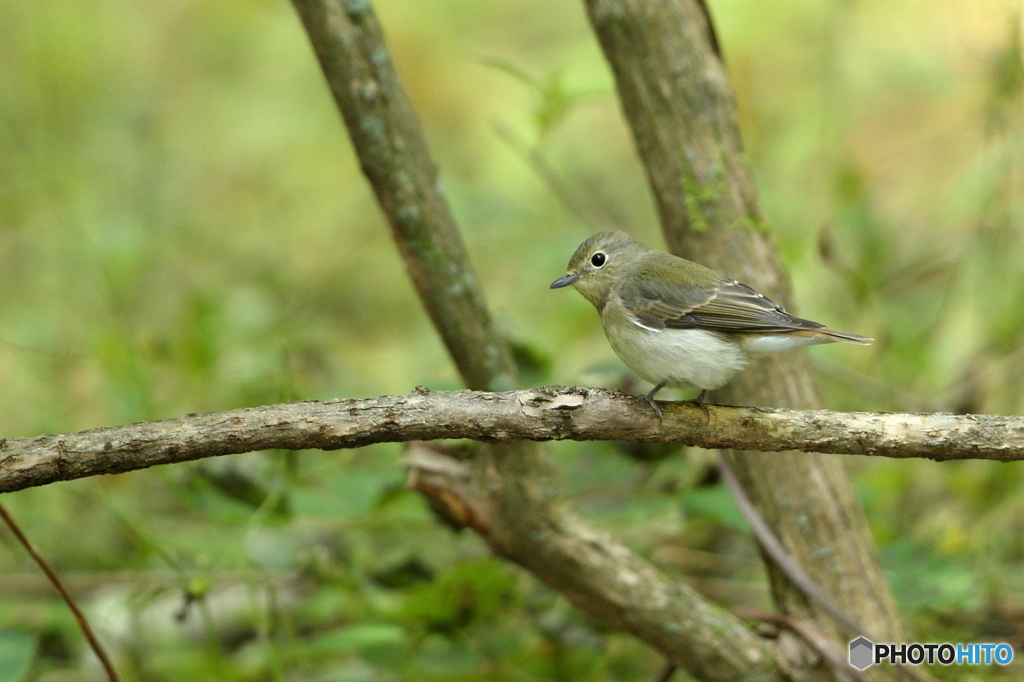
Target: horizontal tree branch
{"points": [[547, 413]]}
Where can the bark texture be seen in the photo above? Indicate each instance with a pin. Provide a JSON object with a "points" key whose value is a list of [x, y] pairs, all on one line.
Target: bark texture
{"points": [[547, 413], [679, 105], [529, 524]]}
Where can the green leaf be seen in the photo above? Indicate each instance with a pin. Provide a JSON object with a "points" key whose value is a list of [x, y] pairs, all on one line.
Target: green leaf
{"points": [[359, 639], [555, 100], [513, 70]]}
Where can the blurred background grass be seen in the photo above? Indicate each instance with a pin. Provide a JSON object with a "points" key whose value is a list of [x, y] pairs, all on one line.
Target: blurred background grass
{"points": [[183, 227]]}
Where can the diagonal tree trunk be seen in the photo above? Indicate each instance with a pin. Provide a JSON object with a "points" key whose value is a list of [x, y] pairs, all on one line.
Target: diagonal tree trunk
{"points": [[677, 100]]}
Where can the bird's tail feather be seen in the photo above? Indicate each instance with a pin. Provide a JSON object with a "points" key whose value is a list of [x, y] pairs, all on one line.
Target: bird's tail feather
{"points": [[848, 337]]}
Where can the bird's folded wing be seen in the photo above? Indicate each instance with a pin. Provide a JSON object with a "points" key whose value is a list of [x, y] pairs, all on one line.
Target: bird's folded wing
{"points": [[725, 306]]}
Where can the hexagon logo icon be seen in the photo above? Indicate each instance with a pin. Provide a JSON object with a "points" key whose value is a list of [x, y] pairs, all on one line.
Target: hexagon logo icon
{"points": [[861, 653]]}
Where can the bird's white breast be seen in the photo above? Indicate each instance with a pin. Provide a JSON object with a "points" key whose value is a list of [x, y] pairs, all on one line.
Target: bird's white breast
{"points": [[679, 357]]}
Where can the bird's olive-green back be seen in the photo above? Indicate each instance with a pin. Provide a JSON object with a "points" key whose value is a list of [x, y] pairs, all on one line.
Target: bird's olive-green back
{"points": [[662, 290]]}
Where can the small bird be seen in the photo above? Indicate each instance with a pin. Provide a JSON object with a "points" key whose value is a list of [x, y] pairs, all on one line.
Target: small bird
{"points": [[677, 323]]}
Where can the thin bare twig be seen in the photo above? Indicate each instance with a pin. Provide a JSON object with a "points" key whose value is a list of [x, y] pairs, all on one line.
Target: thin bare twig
{"points": [[58, 585], [558, 187], [825, 647], [773, 548], [771, 545]]}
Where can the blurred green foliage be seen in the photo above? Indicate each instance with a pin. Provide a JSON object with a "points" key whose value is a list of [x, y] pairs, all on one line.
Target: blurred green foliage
{"points": [[183, 227]]}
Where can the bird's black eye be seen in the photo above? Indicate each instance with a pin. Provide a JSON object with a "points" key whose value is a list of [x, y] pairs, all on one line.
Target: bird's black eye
{"points": [[598, 259]]}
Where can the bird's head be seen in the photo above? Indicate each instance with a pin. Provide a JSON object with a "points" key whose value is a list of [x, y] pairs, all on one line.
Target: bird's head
{"points": [[598, 263]]}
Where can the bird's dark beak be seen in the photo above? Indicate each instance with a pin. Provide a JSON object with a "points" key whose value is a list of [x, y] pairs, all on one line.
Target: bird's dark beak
{"points": [[564, 281]]}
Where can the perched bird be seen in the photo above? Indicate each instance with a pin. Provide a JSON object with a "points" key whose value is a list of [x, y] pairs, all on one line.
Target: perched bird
{"points": [[680, 324]]}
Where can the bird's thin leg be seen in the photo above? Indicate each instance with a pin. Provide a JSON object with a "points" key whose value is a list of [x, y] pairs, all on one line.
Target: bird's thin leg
{"points": [[649, 397], [699, 400]]}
